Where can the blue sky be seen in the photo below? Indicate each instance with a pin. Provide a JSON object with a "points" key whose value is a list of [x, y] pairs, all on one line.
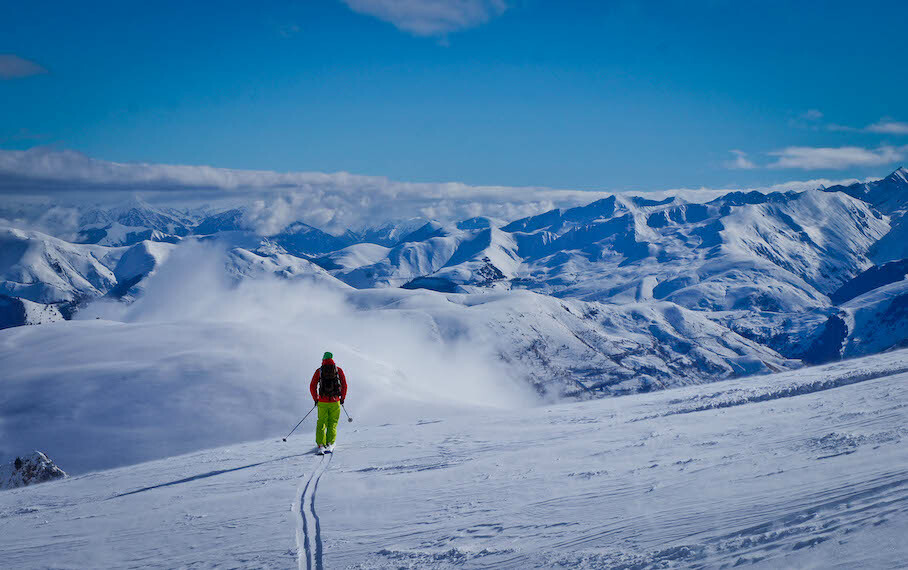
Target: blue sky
{"points": [[611, 95]]}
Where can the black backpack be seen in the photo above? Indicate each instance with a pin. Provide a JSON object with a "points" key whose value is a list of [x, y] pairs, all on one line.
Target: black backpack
{"points": [[329, 384]]}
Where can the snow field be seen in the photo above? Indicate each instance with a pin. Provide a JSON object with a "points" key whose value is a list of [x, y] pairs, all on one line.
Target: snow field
{"points": [[757, 471], [197, 363]]}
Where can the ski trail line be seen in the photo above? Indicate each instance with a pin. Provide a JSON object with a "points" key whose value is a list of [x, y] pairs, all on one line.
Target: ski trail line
{"points": [[318, 524], [308, 532]]}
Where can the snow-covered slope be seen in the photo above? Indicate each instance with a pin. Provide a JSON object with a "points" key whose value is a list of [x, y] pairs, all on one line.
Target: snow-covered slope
{"points": [[894, 245], [45, 269], [131, 223], [878, 319], [116, 234], [873, 322], [137, 263], [245, 264], [421, 253], [141, 392], [796, 470], [775, 252], [228, 221], [56, 275], [303, 240], [584, 349], [388, 234], [486, 258], [141, 214], [16, 312], [201, 360], [890, 196], [353, 257], [872, 278]]}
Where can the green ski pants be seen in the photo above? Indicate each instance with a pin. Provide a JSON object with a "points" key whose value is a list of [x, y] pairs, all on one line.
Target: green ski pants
{"points": [[329, 414]]}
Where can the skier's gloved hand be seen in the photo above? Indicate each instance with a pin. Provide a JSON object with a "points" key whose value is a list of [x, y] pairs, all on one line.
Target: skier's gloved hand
{"points": [[314, 402], [342, 401]]}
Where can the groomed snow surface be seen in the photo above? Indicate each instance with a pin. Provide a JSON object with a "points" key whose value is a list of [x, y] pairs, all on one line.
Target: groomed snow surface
{"points": [[804, 469]]}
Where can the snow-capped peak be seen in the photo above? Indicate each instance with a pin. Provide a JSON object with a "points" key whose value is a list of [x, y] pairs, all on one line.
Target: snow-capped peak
{"points": [[900, 174]]}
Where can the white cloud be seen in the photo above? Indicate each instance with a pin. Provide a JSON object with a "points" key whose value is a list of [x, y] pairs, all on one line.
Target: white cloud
{"points": [[883, 126], [889, 128], [741, 161], [430, 17], [815, 158], [13, 66]]}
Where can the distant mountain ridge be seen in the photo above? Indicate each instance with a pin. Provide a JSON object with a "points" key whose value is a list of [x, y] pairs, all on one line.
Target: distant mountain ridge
{"points": [[888, 195], [776, 268]]}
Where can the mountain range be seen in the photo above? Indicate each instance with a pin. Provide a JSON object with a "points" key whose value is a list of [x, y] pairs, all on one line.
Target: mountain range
{"points": [[623, 294]]}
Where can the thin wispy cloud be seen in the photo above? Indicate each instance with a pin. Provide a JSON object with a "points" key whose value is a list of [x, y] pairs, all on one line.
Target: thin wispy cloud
{"points": [[430, 17], [882, 127], [14, 67], [741, 161], [889, 128], [836, 158]]}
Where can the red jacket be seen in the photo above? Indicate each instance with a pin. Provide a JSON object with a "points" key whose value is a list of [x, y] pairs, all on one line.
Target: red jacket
{"points": [[313, 386]]}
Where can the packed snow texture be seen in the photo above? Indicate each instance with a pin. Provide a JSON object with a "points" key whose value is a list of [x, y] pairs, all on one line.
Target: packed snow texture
{"points": [[805, 469]]}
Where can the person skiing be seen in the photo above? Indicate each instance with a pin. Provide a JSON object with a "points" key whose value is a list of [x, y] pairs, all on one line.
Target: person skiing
{"points": [[329, 390]]}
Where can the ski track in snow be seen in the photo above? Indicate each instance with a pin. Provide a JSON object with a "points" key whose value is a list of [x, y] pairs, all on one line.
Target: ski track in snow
{"points": [[309, 532]]}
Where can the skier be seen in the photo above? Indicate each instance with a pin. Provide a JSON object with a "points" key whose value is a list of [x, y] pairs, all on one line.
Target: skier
{"points": [[328, 389]]}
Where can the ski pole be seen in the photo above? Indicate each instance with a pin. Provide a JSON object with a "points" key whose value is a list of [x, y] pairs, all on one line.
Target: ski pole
{"points": [[349, 419], [301, 421]]}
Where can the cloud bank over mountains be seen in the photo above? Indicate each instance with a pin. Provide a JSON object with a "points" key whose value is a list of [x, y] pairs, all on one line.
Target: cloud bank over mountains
{"points": [[333, 202]]}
